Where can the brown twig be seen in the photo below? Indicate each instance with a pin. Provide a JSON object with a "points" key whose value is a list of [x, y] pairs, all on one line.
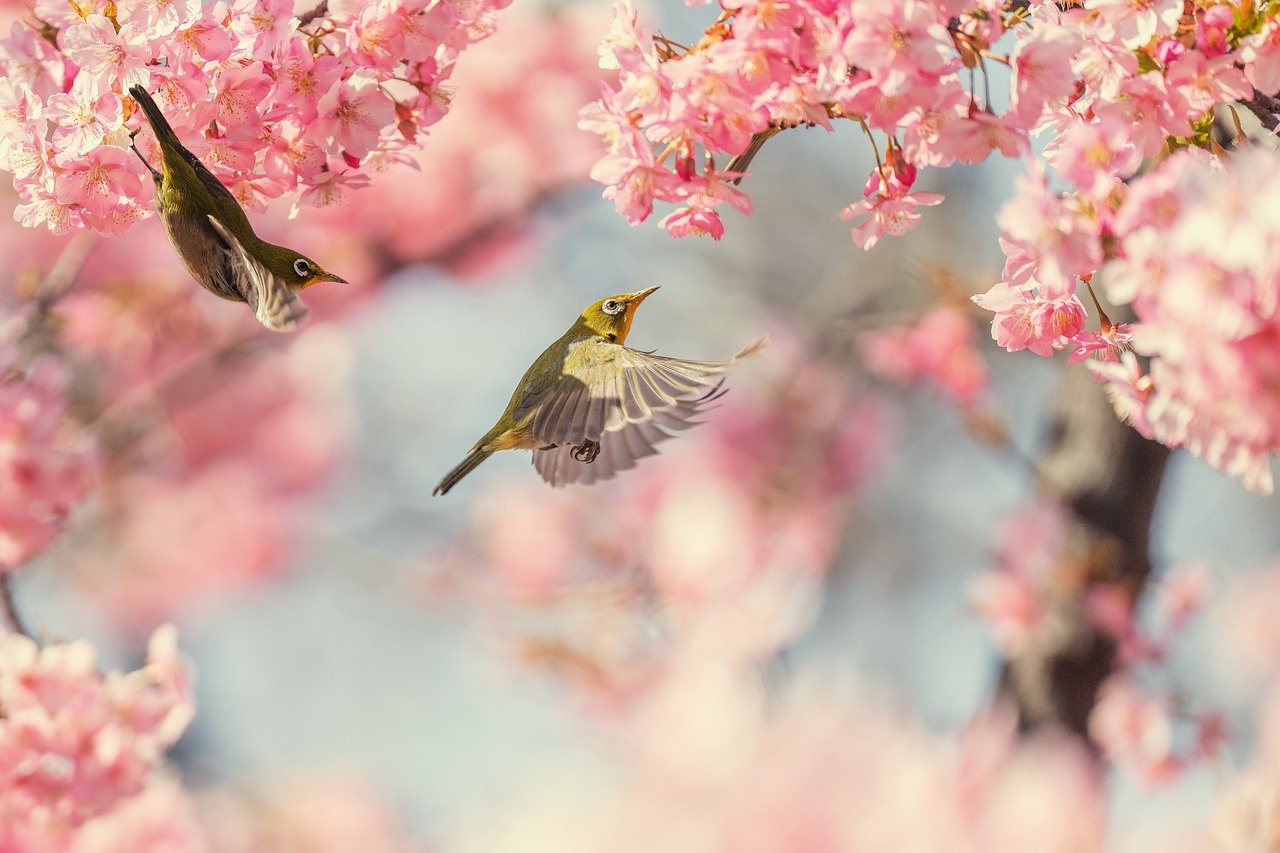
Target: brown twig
{"points": [[318, 12], [1266, 108], [12, 619]]}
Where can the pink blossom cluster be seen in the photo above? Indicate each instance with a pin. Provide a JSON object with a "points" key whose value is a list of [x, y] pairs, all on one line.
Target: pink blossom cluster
{"points": [[1112, 83], [1198, 258], [46, 464], [511, 142], [936, 348], [1111, 80], [75, 743], [276, 104], [762, 67]]}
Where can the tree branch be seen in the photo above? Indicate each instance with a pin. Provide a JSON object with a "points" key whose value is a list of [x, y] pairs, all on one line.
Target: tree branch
{"points": [[1266, 108], [318, 12], [8, 608]]}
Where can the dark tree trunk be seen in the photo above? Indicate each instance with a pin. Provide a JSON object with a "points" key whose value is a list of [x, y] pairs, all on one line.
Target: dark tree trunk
{"points": [[1108, 476]]}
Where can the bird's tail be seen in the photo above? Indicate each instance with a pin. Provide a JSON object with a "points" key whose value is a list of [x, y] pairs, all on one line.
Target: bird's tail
{"points": [[164, 132], [465, 467]]}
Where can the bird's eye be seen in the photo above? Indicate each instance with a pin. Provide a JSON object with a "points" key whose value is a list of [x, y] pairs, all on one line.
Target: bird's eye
{"points": [[302, 268], [612, 306]]}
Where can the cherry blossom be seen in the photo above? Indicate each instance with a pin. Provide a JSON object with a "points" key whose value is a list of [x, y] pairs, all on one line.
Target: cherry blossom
{"points": [[47, 463], [74, 742], [937, 347]]}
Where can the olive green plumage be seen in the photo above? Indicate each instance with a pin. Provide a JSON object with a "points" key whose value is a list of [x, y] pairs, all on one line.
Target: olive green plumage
{"points": [[212, 235], [589, 407]]}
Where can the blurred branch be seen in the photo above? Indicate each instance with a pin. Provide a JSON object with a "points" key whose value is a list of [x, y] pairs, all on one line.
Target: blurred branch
{"points": [[40, 330], [12, 619], [1109, 477]]}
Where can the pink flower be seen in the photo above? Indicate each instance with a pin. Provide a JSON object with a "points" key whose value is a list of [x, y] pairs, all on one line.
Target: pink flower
{"points": [[1096, 155], [633, 183], [301, 78], [1128, 388], [1047, 237], [108, 60], [240, 88], [161, 18], [204, 38], [19, 106], [1042, 71], [698, 217], [971, 139], [375, 38], [890, 210], [354, 113], [1111, 341], [1211, 29], [1261, 54], [899, 41], [1135, 22], [265, 25], [105, 185], [1026, 321], [31, 61], [1197, 83], [1144, 111], [82, 120]]}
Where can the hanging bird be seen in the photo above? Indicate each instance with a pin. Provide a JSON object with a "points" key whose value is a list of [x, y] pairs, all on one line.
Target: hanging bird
{"points": [[590, 407], [211, 234]]}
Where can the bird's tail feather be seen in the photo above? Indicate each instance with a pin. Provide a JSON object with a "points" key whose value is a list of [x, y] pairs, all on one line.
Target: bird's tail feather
{"points": [[465, 467], [163, 130]]}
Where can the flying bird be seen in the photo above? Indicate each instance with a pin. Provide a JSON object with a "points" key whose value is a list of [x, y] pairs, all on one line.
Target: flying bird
{"points": [[212, 235], [589, 407]]}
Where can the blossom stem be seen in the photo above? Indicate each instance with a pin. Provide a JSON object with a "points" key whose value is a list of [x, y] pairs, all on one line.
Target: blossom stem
{"points": [[875, 149], [1104, 322]]}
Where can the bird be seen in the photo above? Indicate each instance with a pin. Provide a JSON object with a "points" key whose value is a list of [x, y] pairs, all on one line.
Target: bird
{"points": [[589, 406], [213, 237]]}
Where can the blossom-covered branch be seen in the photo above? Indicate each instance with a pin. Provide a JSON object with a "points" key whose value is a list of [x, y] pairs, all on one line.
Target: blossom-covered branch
{"points": [[276, 106], [1113, 85]]}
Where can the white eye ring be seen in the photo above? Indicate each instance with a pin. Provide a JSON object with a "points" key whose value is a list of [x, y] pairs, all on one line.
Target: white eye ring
{"points": [[302, 268], [612, 306]]}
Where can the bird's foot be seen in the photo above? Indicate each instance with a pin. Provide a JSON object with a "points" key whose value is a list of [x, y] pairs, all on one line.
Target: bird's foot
{"points": [[587, 451]]}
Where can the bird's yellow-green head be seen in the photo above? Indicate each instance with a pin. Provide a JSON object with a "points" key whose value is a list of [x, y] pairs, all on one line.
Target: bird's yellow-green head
{"points": [[611, 317], [294, 269]]}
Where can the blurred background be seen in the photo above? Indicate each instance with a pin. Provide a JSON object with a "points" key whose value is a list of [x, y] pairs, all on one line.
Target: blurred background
{"points": [[784, 632]]}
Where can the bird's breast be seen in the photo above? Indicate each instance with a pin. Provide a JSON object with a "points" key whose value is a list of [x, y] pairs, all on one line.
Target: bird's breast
{"points": [[203, 251]]}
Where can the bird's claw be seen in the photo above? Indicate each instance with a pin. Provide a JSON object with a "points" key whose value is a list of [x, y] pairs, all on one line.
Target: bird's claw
{"points": [[587, 451]]}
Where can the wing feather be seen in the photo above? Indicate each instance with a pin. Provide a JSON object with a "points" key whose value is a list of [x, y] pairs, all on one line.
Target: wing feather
{"points": [[628, 401], [273, 303]]}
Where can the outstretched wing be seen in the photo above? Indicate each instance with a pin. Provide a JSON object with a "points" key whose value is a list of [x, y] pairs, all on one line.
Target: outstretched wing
{"points": [[626, 401], [273, 303]]}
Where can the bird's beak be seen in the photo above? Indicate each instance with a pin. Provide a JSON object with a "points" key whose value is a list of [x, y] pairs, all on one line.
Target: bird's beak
{"points": [[637, 298], [327, 276]]}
